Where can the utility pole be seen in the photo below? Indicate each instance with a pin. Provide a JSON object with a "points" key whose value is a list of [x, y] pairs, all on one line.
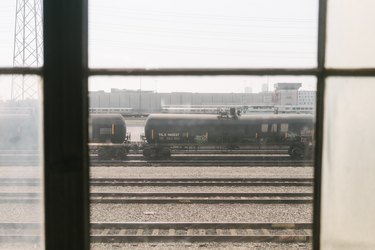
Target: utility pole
{"points": [[28, 47]]}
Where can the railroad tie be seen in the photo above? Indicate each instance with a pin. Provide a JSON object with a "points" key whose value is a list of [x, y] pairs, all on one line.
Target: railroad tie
{"points": [[265, 232], [307, 232], [250, 231], [105, 231], [190, 232], [155, 232], [233, 232], [172, 232], [122, 232], [289, 232]]}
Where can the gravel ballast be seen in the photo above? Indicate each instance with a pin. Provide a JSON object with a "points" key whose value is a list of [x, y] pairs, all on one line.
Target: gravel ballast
{"points": [[200, 172], [203, 245], [174, 246], [201, 213], [11, 212]]}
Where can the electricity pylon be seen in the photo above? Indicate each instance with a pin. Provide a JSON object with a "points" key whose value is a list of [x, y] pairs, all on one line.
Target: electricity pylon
{"points": [[28, 47]]}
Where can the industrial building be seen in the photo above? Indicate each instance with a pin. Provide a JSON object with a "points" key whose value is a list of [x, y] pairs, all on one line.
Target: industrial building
{"points": [[145, 102]]}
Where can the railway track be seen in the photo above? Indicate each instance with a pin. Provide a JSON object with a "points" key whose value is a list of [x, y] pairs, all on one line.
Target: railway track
{"points": [[251, 151], [172, 232], [201, 182], [116, 182], [179, 158], [213, 162], [205, 198], [173, 197]]}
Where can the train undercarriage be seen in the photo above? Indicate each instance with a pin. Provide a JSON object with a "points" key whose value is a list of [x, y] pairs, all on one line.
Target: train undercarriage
{"points": [[157, 152], [296, 151], [105, 151]]}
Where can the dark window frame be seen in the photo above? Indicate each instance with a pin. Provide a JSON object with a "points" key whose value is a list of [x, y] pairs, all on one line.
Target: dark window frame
{"points": [[65, 75]]}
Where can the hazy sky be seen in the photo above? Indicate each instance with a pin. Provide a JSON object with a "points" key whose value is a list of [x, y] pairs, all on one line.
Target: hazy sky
{"points": [[190, 34]]}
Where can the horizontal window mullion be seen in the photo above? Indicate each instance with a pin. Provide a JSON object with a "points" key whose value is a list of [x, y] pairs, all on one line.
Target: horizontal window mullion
{"points": [[198, 72], [349, 72], [229, 72], [20, 71]]}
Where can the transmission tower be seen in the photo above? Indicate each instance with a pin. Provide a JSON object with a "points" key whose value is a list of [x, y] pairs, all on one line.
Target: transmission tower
{"points": [[28, 47]]}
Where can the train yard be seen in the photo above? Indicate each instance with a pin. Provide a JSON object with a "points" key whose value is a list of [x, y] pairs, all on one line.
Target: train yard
{"points": [[207, 199], [174, 232], [199, 196]]}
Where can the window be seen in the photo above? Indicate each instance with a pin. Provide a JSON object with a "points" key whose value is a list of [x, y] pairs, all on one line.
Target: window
{"points": [[21, 128], [344, 63], [283, 127], [170, 44]]}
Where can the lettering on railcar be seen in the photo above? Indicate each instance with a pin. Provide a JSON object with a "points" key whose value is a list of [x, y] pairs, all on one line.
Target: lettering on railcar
{"points": [[169, 136]]}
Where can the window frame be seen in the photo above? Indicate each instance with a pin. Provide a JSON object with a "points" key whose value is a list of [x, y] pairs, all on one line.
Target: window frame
{"points": [[66, 168], [65, 103]]}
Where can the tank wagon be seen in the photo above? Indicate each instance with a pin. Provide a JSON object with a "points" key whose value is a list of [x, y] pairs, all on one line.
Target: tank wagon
{"points": [[164, 132], [107, 136]]}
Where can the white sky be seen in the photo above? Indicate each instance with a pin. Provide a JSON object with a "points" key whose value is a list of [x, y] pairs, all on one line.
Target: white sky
{"points": [[190, 34]]}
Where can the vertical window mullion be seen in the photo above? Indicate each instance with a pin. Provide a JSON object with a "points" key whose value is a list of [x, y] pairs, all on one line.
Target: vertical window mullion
{"points": [[319, 121], [65, 124]]}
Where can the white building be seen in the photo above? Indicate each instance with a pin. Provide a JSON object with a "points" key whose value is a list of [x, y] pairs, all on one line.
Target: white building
{"points": [[306, 98]]}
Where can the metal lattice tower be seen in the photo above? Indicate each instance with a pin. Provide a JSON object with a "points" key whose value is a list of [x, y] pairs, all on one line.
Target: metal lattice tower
{"points": [[28, 47]]}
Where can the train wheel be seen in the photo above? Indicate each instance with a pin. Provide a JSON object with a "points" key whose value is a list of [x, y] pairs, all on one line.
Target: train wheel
{"points": [[147, 152], [135, 148], [104, 154], [165, 152], [122, 155], [296, 152]]}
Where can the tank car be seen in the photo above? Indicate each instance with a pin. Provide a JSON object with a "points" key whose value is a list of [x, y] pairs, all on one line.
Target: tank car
{"points": [[107, 136], [164, 132]]}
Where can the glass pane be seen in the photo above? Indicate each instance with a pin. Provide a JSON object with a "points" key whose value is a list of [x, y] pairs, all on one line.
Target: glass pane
{"points": [[203, 34], [21, 193], [21, 34], [198, 150], [350, 34], [348, 186]]}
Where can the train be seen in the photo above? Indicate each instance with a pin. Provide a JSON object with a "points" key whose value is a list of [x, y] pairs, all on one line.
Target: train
{"points": [[108, 136], [164, 133]]}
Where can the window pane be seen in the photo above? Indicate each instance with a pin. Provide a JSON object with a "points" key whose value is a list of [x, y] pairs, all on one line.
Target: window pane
{"points": [[21, 34], [208, 34], [348, 186], [350, 34], [21, 194], [173, 152]]}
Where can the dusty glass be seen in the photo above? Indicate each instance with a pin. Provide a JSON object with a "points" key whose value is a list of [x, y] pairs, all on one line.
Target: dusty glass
{"points": [[203, 34], [21, 33], [348, 164], [232, 151], [350, 34], [21, 181]]}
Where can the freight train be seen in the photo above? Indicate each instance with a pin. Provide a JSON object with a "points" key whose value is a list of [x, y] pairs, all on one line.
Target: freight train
{"points": [[165, 132], [108, 137]]}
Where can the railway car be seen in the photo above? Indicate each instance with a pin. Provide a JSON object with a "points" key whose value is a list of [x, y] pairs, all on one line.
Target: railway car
{"points": [[164, 132], [107, 136]]}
